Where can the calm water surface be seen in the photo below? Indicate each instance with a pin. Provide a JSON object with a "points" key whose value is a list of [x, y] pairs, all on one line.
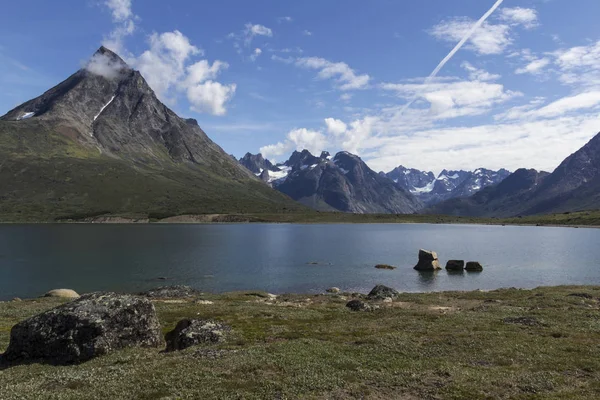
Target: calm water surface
{"points": [[217, 258]]}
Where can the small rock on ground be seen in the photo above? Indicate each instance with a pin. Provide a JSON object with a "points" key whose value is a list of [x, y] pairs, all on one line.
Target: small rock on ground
{"points": [[191, 332]]}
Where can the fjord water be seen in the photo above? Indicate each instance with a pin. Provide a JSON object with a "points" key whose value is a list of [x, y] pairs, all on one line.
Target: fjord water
{"points": [[277, 257]]}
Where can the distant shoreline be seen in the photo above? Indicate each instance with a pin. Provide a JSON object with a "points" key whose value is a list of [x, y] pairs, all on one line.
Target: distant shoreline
{"points": [[582, 219]]}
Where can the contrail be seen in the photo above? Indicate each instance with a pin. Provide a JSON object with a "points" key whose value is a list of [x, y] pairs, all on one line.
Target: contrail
{"points": [[456, 48]]}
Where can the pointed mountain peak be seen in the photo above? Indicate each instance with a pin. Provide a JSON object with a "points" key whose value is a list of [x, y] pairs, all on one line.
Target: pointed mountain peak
{"points": [[107, 63]]}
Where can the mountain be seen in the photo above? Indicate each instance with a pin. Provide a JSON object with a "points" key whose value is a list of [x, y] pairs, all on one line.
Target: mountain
{"points": [[257, 164], [573, 186], [101, 142], [449, 184], [505, 199], [342, 183]]}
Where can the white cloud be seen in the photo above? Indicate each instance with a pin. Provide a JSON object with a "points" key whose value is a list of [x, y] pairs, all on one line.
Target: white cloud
{"points": [[273, 151], [346, 97], [253, 30], [285, 60], [202, 71], [284, 19], [488, 39], [103, 65], [335, 126], [534, 67], [477, 74], [121, 9], [257, 52], [307, 33], [123, 17], [346, 77], [210, 97], [520, 16], [454, 99], [580, 65], [558, 108], [296, 139], [168, 69]]}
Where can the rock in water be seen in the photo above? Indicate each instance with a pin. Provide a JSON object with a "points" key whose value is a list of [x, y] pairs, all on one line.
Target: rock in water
{"points": [[91, 326], [455, 265], [380, 292], [333, 290], [385, 266], [63, 293], [474, 266], [428, 261], [191, 332], [171, 292]]}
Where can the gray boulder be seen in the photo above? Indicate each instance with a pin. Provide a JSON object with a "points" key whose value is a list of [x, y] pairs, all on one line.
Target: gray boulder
{"points": [[93, 325], [428, 261], [474, 266], [455, 265], [357, 305], [191, 332], [380, 292], [171, 292]]}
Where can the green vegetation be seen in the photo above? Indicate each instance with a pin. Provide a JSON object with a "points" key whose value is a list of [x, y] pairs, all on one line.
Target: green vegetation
{"points": [[502, 344], [47, 176]]}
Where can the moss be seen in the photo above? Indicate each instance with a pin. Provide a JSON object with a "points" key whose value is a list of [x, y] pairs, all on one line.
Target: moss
{"points": [[430, 345]]}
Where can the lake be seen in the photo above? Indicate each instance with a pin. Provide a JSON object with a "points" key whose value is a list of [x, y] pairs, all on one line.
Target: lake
{"points": [[277, 257]]}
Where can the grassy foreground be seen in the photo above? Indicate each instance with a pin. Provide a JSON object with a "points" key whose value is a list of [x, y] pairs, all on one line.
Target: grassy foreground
{"points": [[524, 344]]}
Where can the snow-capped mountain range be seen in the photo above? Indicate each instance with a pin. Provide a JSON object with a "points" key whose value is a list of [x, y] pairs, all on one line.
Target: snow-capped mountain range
{"points": [[310, 180], [340, 183], [448, 184]]}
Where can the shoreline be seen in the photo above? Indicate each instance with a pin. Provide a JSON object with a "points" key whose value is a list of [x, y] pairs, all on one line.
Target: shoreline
{"points": [[583, 219], [315, 293], [505, 343]]}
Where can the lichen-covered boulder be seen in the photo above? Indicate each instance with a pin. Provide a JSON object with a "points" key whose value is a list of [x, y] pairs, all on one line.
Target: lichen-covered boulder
{"points": [[171, 292], [474, 266], [62, 293], [455, 265], [357, 305], [93, 325], [191, 332], [381, 292], [428, 261]]}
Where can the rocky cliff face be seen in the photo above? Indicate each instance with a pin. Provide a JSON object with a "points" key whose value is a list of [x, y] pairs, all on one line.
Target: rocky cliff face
{"points": [[342, 183], [106, 114], [256, 163]]}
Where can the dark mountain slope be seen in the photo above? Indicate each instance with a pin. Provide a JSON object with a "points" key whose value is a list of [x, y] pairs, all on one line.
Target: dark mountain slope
{"points": [[508, 198], [103, 143], [344, 183]]}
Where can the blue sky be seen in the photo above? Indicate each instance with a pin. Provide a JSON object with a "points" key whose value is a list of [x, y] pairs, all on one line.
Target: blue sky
{"points": [[275, 76]]}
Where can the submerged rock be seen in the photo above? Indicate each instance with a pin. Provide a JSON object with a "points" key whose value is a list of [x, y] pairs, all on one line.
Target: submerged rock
{"points": [[380, 292], [62, 293], [385, 266], [191, 332], [474, 266], [171, 292], [91, 326], [428, 261], [455, 265]]}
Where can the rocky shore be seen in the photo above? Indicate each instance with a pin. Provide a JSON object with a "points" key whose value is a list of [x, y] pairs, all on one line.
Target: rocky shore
{"points": [[177, 342]]}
